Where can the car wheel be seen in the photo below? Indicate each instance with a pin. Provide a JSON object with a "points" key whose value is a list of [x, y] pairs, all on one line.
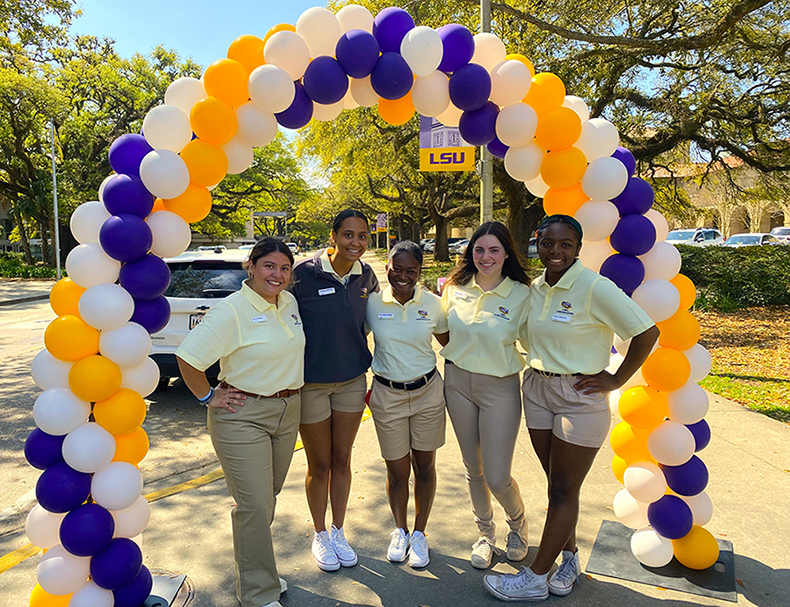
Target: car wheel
{"points": [[164, 382]]}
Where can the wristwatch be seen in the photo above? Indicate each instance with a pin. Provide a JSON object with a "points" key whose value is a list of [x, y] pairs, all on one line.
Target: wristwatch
{"points": [[207, 398]]}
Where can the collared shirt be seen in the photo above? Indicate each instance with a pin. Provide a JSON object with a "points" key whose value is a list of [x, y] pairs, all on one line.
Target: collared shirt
{"points": [[260, 346], [484, 326], [326, 266], [403, 333], [571, 324]]}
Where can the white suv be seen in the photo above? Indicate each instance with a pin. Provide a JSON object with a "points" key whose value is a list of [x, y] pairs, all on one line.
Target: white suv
{"points": [[696, 237]]}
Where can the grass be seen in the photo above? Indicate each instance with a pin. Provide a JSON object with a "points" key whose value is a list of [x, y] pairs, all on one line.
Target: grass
{"points": [[769, 397]]}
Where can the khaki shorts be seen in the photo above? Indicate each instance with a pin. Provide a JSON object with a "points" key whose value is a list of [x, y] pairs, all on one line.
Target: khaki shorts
{"points": [[552, 403], [319, 400], [408, 419]]}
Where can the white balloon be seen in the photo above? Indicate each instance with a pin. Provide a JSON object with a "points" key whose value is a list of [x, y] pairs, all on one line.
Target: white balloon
{"points": [[49, 372], [172, 234], [660, 299], [651, 549], [106, 306], [688, 404], [635, 380], [138, 539], [662, 261], [450, 116], [185, 92], [605, 178], [671, 444], [143, 378], [240, 155], [326, 113], [88, 265], [58, 411], [598, 218], [271, 89], [510, 82], [133, 520], [86, 221], [164, 174], [289, 51], [320, 29], [629, 512], [256, 127], [348, 101], [599, 139], [117, 487], [701, 507], [523, 163], [89, 448], [166, 127], [43, 527], [578, 105], [660, 223], [645, 482], [537, 186], [489, 50], [422, 49], [363, 93], [102, 186], [355, 17], [91, 595], [127, 346], [516, 124], [431, 94], [593, 254], [60, 572], [698, 357]]}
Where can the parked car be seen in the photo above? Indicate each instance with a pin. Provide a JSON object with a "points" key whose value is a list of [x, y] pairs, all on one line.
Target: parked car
{"points": [[217, 248], [782, 233], [751, 239], [294, 247], [696, 237], [425, 242], [532, 247], [455, 247]]}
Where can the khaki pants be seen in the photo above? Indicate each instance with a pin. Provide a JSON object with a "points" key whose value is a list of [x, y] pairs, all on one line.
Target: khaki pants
{"points": [[255, 446], [486, 412]]}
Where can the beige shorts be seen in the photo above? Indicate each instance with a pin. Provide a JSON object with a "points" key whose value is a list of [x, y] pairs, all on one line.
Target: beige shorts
{"points": [[552, 403], [408, 419], [319, 400]]}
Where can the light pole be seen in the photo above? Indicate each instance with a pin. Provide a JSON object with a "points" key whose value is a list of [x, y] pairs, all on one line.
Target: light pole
{"points": [[486, 159], [55, 200]]}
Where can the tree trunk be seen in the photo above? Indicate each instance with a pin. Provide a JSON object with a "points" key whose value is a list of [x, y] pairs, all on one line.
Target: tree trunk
{"points": [[20, 226], [441, 251], [46, 252]]}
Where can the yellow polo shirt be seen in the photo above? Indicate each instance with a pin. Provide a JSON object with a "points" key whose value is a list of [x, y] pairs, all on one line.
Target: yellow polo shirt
{"points": [[484, 326], [571, 324], [402, 333], [260, 346], [326, 266]]}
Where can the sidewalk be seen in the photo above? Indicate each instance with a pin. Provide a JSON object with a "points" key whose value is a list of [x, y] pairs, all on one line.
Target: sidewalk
{"points": [[18, 290]]}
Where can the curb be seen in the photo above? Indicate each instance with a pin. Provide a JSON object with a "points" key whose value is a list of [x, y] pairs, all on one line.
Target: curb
{"points": [[10, 302]]}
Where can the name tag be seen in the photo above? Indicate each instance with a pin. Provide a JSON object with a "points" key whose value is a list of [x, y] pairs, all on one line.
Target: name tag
{"points": [[329, 291], [461, 296], [385, 316], [258, 319], [561, 318]]}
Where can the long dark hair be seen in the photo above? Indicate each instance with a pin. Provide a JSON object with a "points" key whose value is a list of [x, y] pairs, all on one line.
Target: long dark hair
{"points": [[265, 246], [343, 215], [512, 268]]}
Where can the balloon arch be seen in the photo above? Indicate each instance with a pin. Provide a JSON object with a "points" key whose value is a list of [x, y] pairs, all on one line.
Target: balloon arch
{"points": [[95, 370]]}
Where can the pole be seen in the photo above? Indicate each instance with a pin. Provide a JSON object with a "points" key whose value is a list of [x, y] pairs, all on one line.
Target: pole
{"points": [[486, 159], [55, 201]]}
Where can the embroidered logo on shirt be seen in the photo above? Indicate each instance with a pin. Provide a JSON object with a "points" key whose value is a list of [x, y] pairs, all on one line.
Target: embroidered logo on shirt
{"points": [[363, 292], [423, 315], [258, 319], [567, 309], [567, 305], [296, 319], [503, 313]]}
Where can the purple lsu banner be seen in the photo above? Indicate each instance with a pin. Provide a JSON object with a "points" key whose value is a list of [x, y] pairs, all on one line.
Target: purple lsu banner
{"points": [[442, 148]]}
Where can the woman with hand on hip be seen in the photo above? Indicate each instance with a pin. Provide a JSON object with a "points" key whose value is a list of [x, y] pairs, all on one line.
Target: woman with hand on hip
{"points": [[253, 414], [332, 289], [573, 315], [406, 399], [486, 297]]}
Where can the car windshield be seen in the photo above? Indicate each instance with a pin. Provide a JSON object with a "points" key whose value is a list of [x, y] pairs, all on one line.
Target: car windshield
{"points": [[743, 239], [205, 279], [681, 235], [781, 231]]}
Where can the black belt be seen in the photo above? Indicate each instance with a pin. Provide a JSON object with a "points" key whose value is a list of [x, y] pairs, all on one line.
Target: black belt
{"points": [[409, 385], [549, 374]]}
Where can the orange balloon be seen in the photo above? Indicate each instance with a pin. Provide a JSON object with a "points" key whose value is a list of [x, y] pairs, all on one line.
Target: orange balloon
{"points": [[643, 407], [41, 598], [159, 205], [70, 338], [666, 369], [227, 80], [557, 129], [564, 202], [687, 290], [193, 205], [247, 50], [64, 298], [629, 444], [207, 163], [681, 331], [546, 92], [131, 447], [523, 59], [122, 413], [213, 120], [94, 378], [698, 549], [563, 168], [618, 468], [396, 112], [280, 27]]}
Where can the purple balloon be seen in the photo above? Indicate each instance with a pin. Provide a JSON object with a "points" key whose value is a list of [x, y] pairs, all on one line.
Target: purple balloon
{"points": [[299, 112], [145, 278], [671, 517], [626, 271], [636, 199], [117, 565], [87, 530], [357, 52], [126, 195], [43, 450], [470, 87], [634, 235], [151, 314], [135, 594], [479, 127], [701, 432], [61, 488], [627, 158], [125, 237], [392, 77], [687, 479], [325, 81], [127, 152], [389, 28], [458, 47], [497, 148]]}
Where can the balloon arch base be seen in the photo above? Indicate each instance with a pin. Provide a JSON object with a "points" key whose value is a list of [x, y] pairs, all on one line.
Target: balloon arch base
{"points": [[170, 590]]}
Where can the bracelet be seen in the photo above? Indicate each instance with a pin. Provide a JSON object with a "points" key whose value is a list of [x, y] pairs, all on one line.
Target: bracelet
{"points": [[207, 398]]}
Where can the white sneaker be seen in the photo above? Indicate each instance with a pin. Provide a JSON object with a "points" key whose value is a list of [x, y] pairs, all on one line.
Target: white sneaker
{"points": [[522, 586], [283, 586], [516, 546], [324, 553], [482, 552], [345, 553], [399, 546], [418, 550], [561, 581]]}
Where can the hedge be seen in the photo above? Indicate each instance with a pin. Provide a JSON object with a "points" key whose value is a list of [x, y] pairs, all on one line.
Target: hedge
{"points": [[12, 265]]}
